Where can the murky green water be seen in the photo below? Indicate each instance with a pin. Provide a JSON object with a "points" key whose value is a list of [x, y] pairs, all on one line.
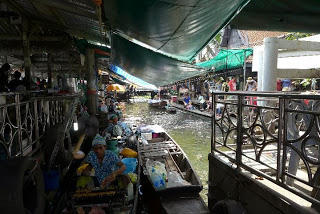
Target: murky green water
{"points": [[191, 132]]}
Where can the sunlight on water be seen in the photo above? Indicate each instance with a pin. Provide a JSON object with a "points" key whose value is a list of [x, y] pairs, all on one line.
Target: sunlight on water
{"points": [[191, 132]]}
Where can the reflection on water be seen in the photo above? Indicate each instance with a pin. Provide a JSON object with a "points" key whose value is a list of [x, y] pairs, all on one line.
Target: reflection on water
{"points": [[191, 132]]}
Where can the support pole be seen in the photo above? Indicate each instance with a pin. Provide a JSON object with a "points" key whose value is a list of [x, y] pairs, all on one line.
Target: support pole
{"points": [[244, 70], [92, 82], [270, 61], [26, 55], [49, 70]]}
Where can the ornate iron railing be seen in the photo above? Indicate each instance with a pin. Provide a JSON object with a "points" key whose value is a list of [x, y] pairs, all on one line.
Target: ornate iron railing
{"points": [[25, 117], [272, 135]]}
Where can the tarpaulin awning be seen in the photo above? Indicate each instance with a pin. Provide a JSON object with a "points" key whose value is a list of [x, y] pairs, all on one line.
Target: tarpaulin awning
{"points": [[131, 78], [116, 80], [176, 28], [227, 59], [100, 51], [150, 66], [279, 15]]}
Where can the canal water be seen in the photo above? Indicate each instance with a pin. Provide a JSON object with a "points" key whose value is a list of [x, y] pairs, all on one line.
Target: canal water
{"points": [[191, 132]]}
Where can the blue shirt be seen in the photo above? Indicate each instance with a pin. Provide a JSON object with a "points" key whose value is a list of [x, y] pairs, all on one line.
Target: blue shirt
{"points": [[108, 165], [186, 99], [286, 83]]}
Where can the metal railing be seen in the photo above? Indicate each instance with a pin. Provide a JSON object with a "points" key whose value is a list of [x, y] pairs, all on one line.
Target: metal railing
{"points": [[272, 135], [25, 117]]}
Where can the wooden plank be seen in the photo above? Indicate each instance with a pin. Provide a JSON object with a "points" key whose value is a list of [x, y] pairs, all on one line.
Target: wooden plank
{"points": [[185, 205]]}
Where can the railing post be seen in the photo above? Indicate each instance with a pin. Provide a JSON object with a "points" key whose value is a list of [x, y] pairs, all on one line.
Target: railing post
{"points": [[36, 122], [280, 138], [18, 120], [284, 141], [213, 123], [239, 131]]}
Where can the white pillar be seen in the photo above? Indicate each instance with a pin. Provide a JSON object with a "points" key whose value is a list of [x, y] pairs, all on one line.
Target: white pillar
{"points": [[257, 64], [270, 61]]}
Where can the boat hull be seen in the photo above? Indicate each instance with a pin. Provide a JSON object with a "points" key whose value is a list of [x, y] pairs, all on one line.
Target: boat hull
{"points": [[159, 104], [165, 150]]}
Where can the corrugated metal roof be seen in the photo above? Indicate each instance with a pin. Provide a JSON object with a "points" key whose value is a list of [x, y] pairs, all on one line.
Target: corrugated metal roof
{"points": [[77, 17]]}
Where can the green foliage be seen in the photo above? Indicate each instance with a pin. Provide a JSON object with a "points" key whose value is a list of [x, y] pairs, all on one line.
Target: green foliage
{"points": [[297, 35]]}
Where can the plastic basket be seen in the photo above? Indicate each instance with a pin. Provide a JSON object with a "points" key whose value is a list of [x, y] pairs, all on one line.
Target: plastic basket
{"points": [[131, 164]]}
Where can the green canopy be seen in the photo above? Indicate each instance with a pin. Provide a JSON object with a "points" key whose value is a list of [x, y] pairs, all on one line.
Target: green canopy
{"points": [[175, 28], [279, 15], [227, 59], [100, 51]]}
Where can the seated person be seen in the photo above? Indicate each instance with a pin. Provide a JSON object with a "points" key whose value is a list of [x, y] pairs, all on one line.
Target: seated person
{"points": [[112, 107], [113, 129], [127, 132], [190, 106], [202, 101], [13, 84], [107, 166], [186, 100]]}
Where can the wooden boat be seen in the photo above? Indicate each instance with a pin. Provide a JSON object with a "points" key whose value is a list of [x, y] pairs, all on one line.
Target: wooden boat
{"points": [[171, 109], [165, 150], [157, 103]]}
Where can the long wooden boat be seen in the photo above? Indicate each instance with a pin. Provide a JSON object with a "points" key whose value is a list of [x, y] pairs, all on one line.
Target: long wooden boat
{"points": [[157, 103], [164, 149], [171, 109]]}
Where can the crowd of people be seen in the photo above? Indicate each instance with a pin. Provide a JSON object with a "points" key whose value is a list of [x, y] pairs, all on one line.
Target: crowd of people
{"points": [[202, 92], [203, 95], [14, 82]]}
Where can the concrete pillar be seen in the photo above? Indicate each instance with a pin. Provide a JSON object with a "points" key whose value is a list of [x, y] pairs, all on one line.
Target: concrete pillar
{"points": [[92, 82], [257, 65], [270, 61]]}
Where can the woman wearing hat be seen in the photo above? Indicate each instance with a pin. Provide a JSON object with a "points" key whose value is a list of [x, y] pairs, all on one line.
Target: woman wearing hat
{"points": [[251, 85], [107, 166]]}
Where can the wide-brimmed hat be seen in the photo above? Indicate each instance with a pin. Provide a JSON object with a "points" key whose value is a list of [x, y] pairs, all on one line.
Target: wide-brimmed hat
{"points": [[250, 79]]}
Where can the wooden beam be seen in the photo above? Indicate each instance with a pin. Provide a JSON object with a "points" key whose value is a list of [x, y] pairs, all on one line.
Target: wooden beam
{"points": [[16, 8], [10, 37], [87, 36], [59, 17]]}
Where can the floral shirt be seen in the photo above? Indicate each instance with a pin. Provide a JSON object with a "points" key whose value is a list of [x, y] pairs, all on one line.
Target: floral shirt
{"points": [[109, 164], [127, 132]]}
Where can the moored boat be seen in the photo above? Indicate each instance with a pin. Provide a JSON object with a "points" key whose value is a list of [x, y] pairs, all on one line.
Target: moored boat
{"points": [[161, 154], [157, 103], [171, 109]]}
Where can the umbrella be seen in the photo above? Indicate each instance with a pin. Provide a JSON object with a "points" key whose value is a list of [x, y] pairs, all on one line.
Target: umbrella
{"points": [[116, 87]]}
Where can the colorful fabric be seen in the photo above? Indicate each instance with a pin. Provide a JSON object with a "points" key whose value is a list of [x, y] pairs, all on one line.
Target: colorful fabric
{"points": [[108, 165], [232, 85], [126, 130], [99, 140]]}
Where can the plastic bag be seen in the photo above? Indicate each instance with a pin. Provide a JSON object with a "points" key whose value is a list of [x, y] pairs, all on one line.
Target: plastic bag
{"points": [[129, 153], [175, 179], [133, 177], [161, 168]]}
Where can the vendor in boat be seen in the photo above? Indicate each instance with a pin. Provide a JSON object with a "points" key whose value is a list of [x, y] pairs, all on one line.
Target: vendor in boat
{"points": [[106, 164], [117, 128], [186, 100]]}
